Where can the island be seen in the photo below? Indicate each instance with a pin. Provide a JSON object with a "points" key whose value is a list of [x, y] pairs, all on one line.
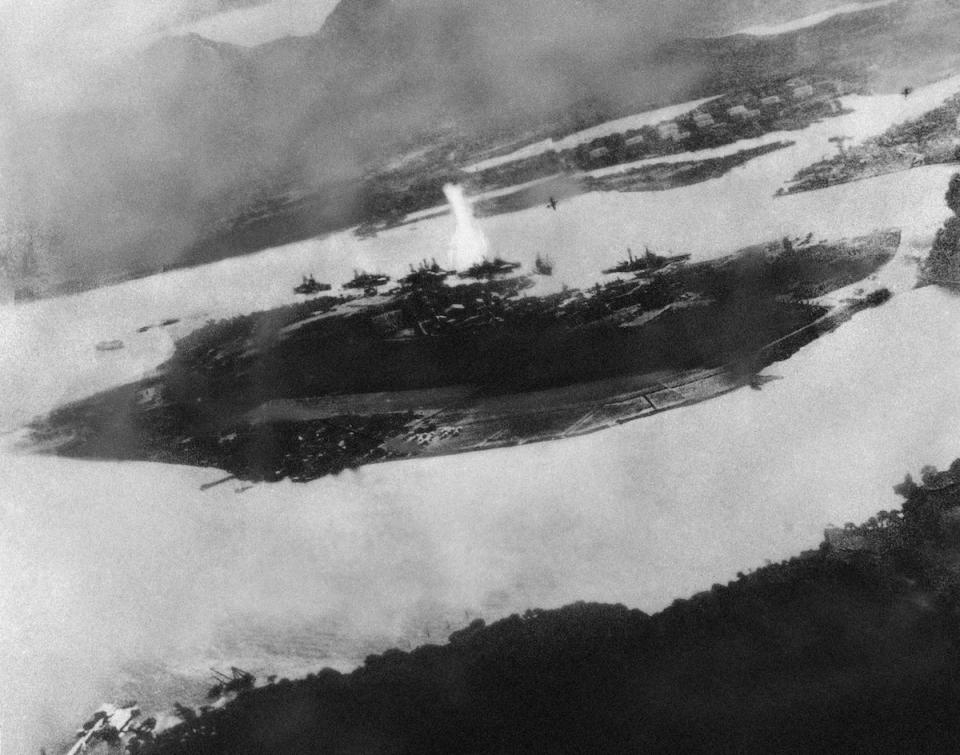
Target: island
{"points": [[444, 364], [931, 139]]}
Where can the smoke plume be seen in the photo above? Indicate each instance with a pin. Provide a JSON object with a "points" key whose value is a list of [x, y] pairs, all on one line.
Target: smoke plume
{"points": [[130, 146], [468, 245]]}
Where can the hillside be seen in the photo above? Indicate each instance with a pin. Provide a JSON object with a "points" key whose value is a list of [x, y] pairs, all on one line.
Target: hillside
{"points": [[849, 648]]}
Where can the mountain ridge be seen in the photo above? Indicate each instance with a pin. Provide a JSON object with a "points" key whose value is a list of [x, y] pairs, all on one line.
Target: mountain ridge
{"points": [[192, 132]]}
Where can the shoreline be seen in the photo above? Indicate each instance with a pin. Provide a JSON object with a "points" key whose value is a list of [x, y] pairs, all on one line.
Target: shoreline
{"points": [[866, 611], [581, 362]]}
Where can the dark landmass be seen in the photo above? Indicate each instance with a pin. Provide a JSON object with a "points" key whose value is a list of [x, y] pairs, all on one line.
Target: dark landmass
{"points": [[663, 176], [432, 368], [653, 177], [929, 140], [849, 648], [942, 265]]}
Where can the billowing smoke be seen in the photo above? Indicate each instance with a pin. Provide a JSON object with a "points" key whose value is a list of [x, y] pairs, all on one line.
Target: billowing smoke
{"points": [[469, 244], [133, 148]]}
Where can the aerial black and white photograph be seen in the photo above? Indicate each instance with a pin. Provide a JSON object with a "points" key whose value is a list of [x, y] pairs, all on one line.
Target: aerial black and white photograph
{"points": [[479, 376]]}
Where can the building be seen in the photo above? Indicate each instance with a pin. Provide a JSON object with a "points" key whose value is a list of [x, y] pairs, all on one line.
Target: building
{"points": [[634, 141], [743, 112], [668, 130], [771, 101], [802, 92], [599, 152], [703, 120], [836, 86], [796, 82], [672, 131]]}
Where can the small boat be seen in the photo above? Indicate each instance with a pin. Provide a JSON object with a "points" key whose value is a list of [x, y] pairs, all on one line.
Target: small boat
{"points": [[648, 263], [489, 268], [311, 286], [543, 266], [367, 281], [426, 275]]}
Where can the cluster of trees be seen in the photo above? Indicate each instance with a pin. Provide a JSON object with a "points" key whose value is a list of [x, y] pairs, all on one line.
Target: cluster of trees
{"points": [[931, 136], [520, 171], [805, 656], [812, 654], [943, 262], [662, 176], [565, 679], [916, 133]]}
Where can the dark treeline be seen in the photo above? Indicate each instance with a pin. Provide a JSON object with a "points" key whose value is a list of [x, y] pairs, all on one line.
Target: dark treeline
{"points": [[927, 140], [943, 263], [851, 648]]}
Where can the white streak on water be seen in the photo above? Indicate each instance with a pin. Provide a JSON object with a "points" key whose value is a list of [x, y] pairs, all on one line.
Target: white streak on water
{"points": [[468, 244]]}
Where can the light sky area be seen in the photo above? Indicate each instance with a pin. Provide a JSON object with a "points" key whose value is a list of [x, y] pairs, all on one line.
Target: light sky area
{"points": [[48, 46], [262, 23]]}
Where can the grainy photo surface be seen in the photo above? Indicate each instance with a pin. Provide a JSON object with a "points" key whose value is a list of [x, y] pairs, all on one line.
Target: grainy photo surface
{"points": [[479, 376]]}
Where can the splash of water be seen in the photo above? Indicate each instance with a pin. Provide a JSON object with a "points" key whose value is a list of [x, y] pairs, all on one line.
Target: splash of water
{"points": [[468, 244]]}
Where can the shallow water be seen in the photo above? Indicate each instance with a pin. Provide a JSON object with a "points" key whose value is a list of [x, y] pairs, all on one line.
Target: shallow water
{"points": [[113, 567]]}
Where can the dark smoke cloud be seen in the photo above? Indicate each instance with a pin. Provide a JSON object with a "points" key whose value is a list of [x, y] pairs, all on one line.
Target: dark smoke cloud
{"points": [[128, 146]]}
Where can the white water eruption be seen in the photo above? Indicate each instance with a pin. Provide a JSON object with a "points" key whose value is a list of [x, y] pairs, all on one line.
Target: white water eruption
{"points": [[468, 244]]}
